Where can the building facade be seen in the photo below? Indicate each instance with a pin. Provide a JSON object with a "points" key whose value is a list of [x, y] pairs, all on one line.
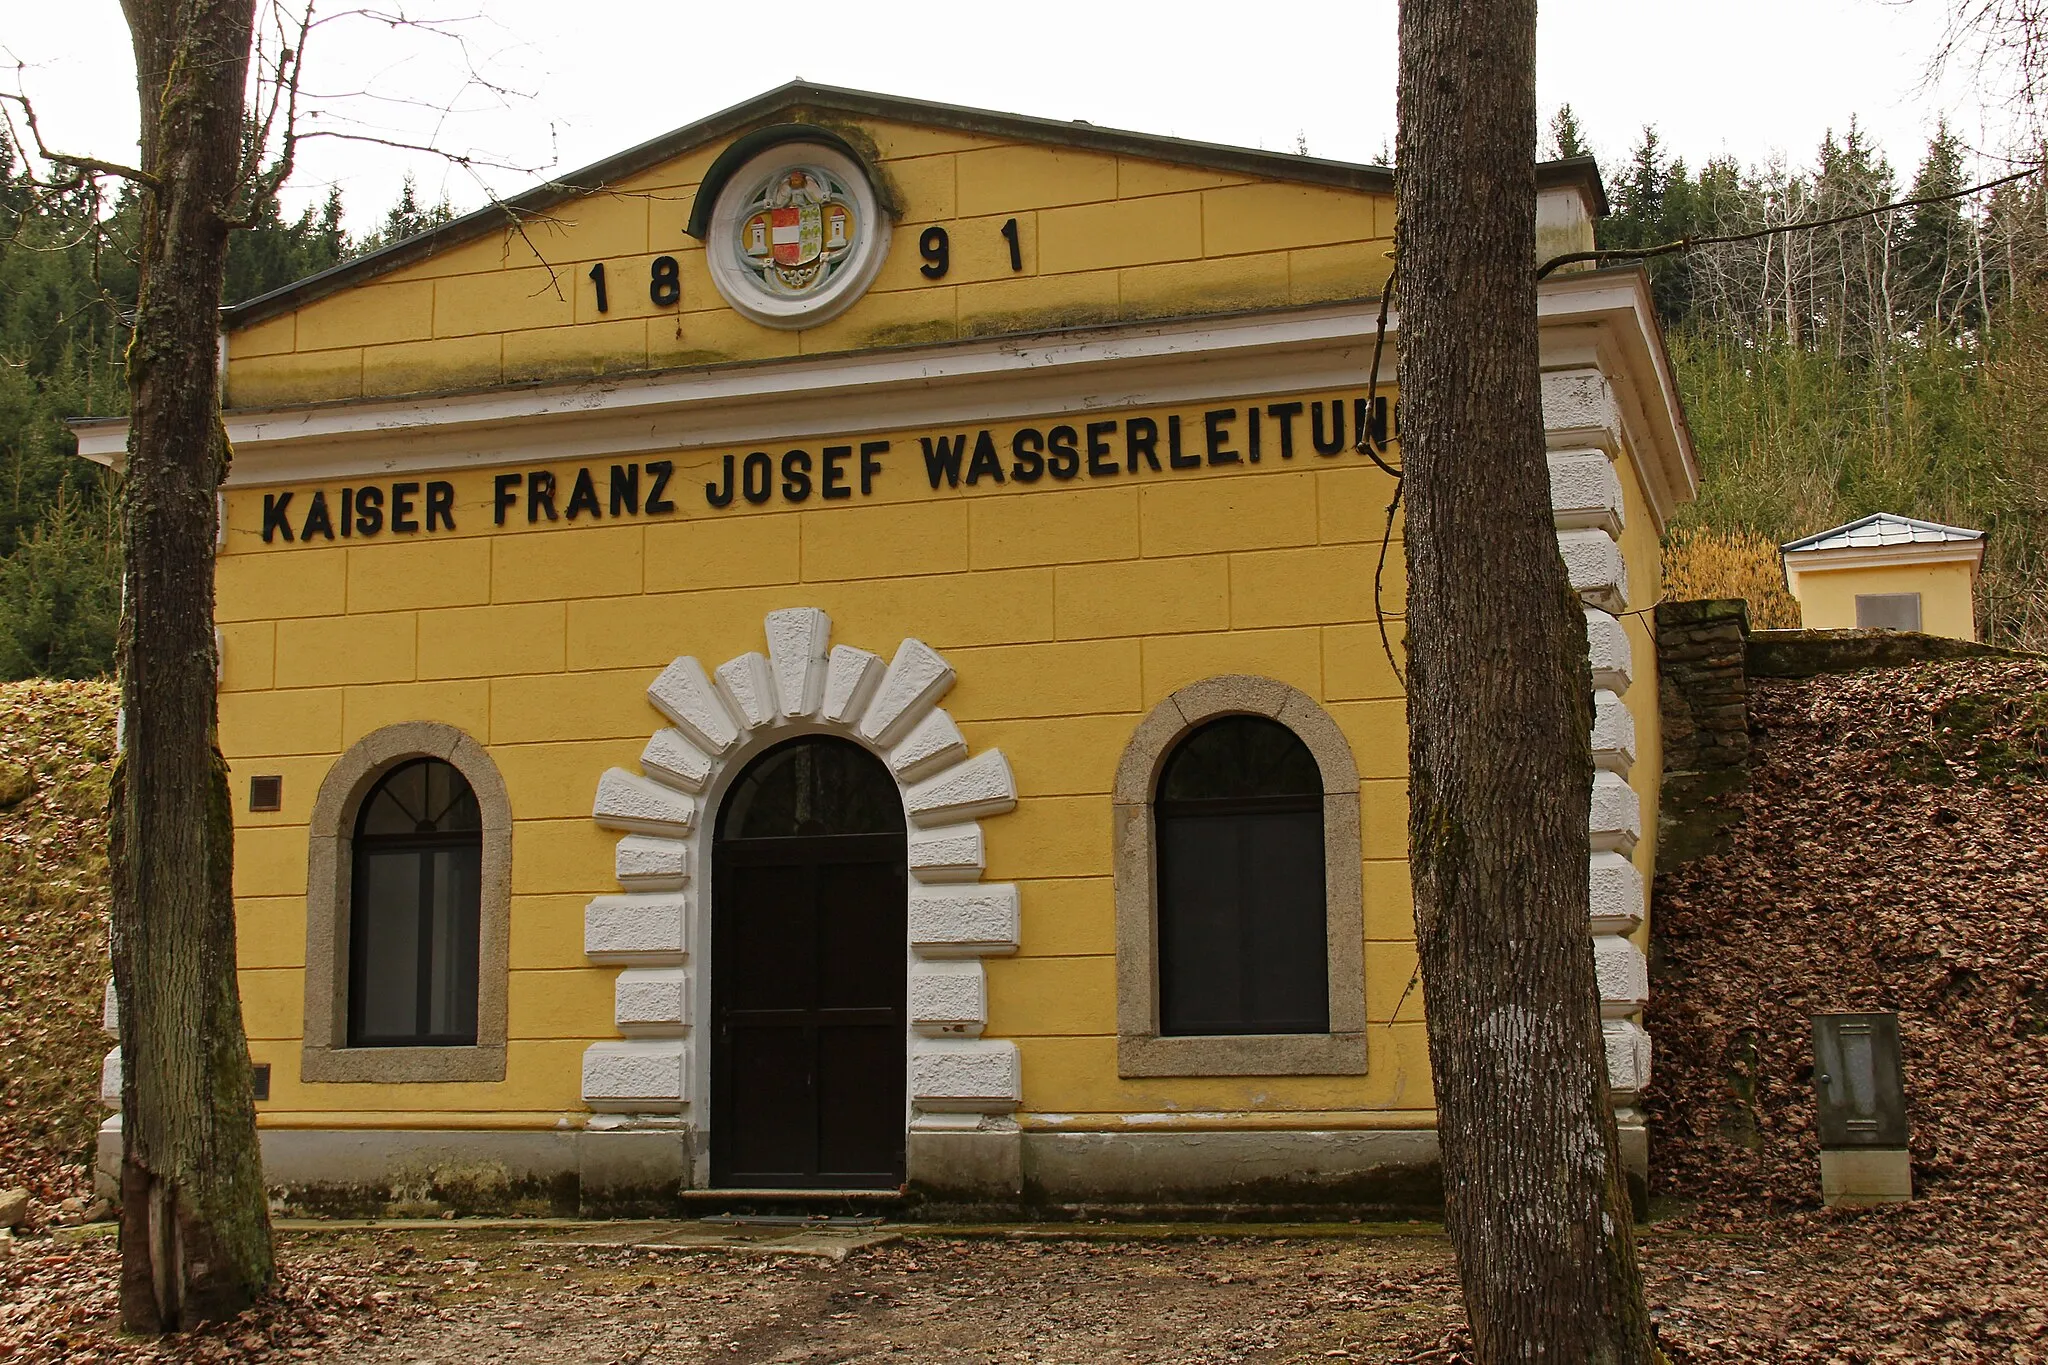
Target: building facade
{"points": [[852, 647]]}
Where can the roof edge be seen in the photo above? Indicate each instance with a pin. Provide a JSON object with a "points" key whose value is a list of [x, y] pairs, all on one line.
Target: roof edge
{"points": [[1950, 534], [1581, 172]]}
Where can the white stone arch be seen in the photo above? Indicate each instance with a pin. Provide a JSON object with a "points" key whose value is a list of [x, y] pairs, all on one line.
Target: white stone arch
{"points": [[719, 720]]}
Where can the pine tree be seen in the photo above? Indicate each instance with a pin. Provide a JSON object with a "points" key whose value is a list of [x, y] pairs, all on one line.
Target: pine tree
{"points": [[1566, 139]]}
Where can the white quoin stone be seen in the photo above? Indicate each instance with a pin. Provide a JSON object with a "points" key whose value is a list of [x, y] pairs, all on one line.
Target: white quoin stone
{"points": [[1628, 1057], [670, 757], [652, 1001], [916, 679], [950, 853], [748, 689], [685, 695], [964, 921], [630, 803], [1608, 648], [797, 641], [1579, 410], [641, 1076], [110, 1011], [1616, 897], [110, 1079], [948, 999], [1623, 974], [644, 863], [851, 677], [1594, 563], [977, 1076], [983, 785], [1616, 818], [641, 930], [1614, 733], [1585, 493], [933, 743]]}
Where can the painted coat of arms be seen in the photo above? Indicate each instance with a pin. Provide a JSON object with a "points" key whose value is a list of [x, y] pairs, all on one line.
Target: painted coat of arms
{"points": [[798, 229]]}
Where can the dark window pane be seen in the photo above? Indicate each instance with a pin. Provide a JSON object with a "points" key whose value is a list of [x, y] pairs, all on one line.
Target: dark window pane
{"points": [[813, 786], [1243, 928], [387, 959], [424, 796], [1239, 757], [415, 909]]}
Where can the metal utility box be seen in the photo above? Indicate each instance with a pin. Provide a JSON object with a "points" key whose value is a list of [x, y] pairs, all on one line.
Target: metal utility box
{"points": [[1859, 1085]]}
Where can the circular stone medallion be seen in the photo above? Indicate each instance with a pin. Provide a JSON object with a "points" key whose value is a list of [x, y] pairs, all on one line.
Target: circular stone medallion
{"points": [[796, 235]]}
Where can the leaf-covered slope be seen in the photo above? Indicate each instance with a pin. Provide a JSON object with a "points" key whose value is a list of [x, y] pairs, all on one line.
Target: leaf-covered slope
{"points": [[1894, 856], [56, 754]]}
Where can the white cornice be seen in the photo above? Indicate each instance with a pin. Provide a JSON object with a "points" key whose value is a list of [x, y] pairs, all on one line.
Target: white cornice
{"points": [[1010, 378]]}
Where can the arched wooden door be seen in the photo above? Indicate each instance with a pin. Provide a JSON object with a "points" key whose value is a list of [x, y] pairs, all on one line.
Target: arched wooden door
{"points": [[808, 963]]}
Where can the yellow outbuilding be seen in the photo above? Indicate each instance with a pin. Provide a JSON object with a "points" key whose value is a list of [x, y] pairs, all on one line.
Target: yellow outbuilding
{"points": [[1887, 572], [845, 649]]}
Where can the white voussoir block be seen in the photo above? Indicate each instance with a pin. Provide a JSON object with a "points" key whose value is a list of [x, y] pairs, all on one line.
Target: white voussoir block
{"points": [[948, 999], [983, 785], [1628, 1057], [971, 1076], [652, 1001], [642, 862], [950, 853], [964, 921], [851, 677], [110, 1011], [670, 757], [916, 679], [748, 689], [1579, 410], [629, 802], [1585, 492], [1607, 648], [110, 1079], [797, 640], [641, 1076], [933, 743], [686, 696], [1593, 562], [641, 930], [1614, 733], [1623, 975], [1616, 817], [1615, 890]]}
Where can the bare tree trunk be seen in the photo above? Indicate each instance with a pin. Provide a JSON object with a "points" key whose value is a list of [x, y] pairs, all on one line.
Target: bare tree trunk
{"points": [[195, 1234], [1499, 715]]}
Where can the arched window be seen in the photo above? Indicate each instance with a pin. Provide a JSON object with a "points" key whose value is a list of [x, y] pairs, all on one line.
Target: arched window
{"points": [[416, 889], [1242, 919]]}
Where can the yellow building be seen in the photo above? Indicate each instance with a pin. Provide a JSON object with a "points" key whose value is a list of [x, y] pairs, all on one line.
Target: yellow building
{"points": [[1887, 572], [838, 649]]}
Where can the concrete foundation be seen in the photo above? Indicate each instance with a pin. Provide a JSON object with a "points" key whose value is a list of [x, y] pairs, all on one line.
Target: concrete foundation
{"points": [[1861, 1176], [995, 1171]]}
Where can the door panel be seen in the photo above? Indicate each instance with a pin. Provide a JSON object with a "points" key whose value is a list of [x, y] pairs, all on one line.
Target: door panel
{"points": [[808, 978]]}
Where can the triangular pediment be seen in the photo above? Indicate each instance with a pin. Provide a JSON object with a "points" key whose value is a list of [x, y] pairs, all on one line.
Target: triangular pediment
{"points": [[932, 223]]}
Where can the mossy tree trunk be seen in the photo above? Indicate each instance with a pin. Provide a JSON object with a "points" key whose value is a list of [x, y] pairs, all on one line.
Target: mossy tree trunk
{"points": [[195, 1234], [1499, 714]]}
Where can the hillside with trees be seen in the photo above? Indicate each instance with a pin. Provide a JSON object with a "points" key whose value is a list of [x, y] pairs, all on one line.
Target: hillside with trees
{"points": [[67, 299], [1895, 362]]}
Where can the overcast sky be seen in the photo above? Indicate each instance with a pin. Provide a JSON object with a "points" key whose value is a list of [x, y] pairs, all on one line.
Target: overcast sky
{"points": [[1754, 78]]}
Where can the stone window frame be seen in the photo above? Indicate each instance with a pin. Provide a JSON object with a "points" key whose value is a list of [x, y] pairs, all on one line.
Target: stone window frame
{"points": [[1141, 1050], [325, 1055]]}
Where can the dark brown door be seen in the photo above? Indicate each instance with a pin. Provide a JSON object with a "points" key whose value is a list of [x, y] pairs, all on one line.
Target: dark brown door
{"points": [[808, 974]]}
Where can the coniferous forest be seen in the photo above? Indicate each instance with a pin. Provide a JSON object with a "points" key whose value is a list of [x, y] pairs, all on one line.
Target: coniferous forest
{"points": [[1896, 362]]}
